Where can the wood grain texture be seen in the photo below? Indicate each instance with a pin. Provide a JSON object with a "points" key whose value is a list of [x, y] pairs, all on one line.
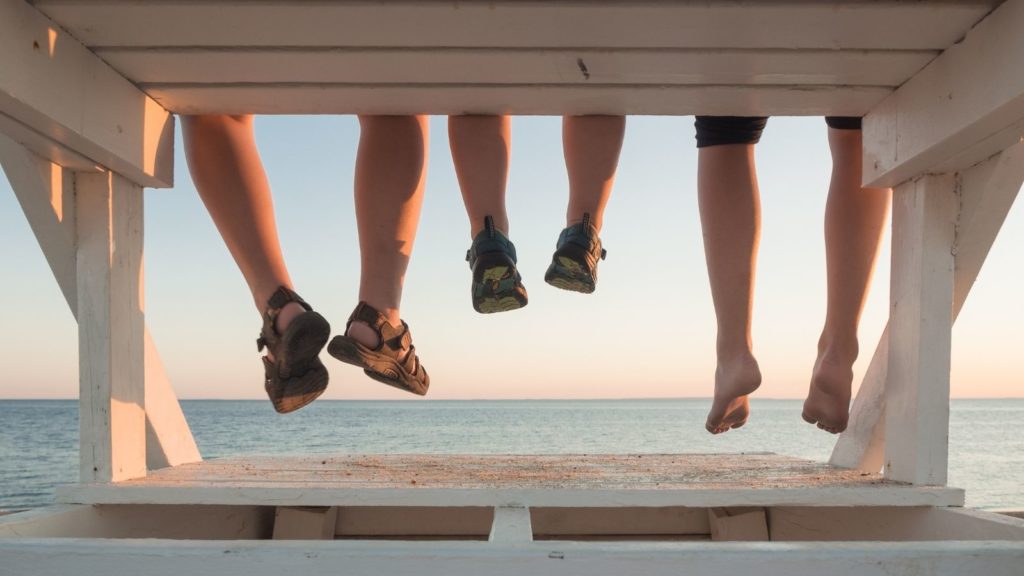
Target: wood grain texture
{"points": [[965, 106], [535, 481], [169, 558], [60, 91], [518, 99], [111, 328], [920, 327], [386, 65], [787, 24]]}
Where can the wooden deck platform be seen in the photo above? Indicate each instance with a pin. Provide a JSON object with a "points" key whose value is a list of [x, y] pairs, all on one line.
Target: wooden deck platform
{"points": [[649, 480]]}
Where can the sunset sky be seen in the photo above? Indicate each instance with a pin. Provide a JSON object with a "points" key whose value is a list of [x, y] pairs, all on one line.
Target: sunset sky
{"points": [[648, 331]]}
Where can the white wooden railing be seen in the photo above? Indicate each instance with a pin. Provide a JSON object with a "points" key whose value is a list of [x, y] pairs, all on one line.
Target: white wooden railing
{"points": [[88, 89]]}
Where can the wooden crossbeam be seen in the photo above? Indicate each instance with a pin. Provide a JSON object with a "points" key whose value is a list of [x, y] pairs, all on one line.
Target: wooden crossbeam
{"points": [[56, 95], [967, 105]]}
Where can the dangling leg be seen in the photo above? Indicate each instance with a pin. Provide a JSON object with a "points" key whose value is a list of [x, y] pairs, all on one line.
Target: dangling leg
{"points": [[730, 214], [389, 184], [480, 149], [591, 145], [226, 168], [854, 223]]}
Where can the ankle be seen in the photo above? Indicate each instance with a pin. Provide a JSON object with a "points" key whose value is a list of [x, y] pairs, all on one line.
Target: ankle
{"points": [[837, 349], [478, 225]]}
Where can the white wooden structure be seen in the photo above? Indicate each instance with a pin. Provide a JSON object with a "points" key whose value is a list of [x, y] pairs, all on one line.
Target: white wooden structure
{"points": [[88, 89]]}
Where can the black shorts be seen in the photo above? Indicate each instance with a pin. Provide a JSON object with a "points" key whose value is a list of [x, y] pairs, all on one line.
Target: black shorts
{"points": [[719, 130]]}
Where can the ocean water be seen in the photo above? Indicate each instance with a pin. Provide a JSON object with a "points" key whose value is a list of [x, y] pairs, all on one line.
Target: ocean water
{"points": [[39, 439]]}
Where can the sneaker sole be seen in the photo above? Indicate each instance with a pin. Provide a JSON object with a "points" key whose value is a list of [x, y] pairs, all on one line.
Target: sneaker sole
{"points": [[568, 274], [501, 292]]}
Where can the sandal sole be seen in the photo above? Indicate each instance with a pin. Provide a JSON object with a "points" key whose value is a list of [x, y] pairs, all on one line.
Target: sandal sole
{"points": [[300, 354], [380, 367]]}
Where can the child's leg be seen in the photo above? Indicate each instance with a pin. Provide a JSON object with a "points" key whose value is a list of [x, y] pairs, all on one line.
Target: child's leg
{"points": [[731, 221], [591, 145], [226, 168], [854, 222], [480, 150], [390, 175]]}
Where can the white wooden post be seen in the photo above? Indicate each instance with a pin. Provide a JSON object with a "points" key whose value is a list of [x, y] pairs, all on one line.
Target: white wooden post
{"points": [[46, 193], [110, 328], [987, 192], [921, 307]]}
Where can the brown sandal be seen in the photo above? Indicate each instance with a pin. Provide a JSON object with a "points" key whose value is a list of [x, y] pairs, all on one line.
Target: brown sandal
{"points": [[385, 362], [296, 376]]}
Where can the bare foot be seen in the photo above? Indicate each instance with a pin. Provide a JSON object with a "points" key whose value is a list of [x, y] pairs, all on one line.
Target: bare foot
{"points": [[734, 381], [828, 401]]}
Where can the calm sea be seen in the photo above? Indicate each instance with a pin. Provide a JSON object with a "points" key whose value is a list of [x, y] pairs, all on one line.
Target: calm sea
{"points": [[39, 439]]}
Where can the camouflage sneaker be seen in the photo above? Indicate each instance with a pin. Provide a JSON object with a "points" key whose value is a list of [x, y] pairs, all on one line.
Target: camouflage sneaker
{"points": [[497, 286], [574, 264]]}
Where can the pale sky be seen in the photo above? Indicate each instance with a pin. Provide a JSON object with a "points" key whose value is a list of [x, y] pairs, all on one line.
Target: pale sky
{"points": [[648, 331]]}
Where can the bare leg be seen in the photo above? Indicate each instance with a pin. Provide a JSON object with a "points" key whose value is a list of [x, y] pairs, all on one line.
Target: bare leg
{"points": [[592, 145], [730, 215], [854, 222], [390, 175], [480, 149], [226, 168]]}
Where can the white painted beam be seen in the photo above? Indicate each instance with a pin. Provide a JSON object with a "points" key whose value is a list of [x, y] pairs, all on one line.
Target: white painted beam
{"points": [[920, 326], [46, 193], [987, 192], [967, 105], [46, 557], [786, 24], [59, 91], [534, 66], [340, 98], [111, 327], [511, 525]]}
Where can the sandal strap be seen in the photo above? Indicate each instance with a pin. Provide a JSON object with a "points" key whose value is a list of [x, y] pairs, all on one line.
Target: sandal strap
{"points": [[278, 300], [396, 338]]}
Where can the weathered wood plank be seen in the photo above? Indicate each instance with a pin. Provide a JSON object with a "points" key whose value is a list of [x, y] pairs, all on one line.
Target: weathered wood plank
{"points": [[111, 326], [738, 524], [46, 193], [920, 325], [170, 558], [891, 524], [60, 90], [517, 66], [305, 523], [511, 525], [548, 99], [964, 107], [614, 481], [788, 24]]}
